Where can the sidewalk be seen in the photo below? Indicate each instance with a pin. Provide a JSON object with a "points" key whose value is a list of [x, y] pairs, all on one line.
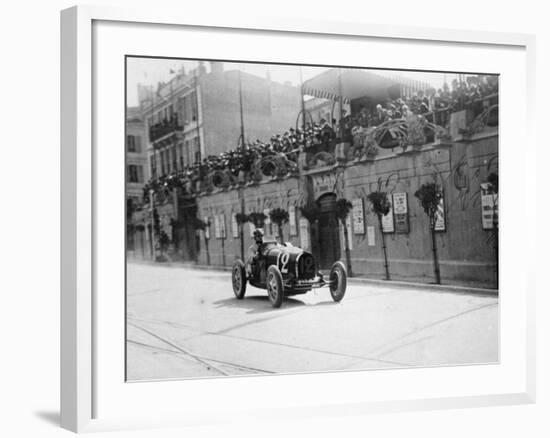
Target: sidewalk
{"points": [[402, 282]]}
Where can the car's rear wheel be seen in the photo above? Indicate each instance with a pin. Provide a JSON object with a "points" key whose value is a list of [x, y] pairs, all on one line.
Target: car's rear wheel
{"points": [[238, 278], [275, 287], [338, 281]]}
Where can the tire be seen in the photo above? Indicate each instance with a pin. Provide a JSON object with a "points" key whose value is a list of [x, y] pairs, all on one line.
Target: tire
{"points": [[274, 286], [339, 279], [238, 279]]}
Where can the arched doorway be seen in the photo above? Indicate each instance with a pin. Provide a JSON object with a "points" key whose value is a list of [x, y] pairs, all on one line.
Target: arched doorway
{"points": [[328, 236]]}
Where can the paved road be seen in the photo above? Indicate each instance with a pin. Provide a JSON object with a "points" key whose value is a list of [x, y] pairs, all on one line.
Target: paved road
{"points": [[186, 323]]}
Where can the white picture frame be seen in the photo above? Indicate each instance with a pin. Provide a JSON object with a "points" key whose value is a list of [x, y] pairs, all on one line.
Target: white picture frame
{"points": [[83, 275]]}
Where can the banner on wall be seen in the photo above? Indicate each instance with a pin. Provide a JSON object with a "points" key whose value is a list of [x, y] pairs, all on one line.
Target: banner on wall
{"points": [[400, 212], [304, 234], [440, 216], [292, 220], [387, 219], [358, 214]]}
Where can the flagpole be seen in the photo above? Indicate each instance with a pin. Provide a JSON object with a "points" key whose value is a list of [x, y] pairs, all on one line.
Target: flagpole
{"points": [[303, 104], [241, 111], [197, 121]]}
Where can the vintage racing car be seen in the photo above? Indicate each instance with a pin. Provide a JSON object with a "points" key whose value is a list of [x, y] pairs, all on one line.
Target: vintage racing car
{"points": [[285, 270]]}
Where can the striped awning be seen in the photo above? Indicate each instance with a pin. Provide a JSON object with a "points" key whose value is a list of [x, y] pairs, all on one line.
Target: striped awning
{"points": [[353, 83]]}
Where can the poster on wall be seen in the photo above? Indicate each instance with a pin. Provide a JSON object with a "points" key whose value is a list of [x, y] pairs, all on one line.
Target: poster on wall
{"points": [[304, 234], [400, 212], [358, 214], [221, 221], [292, 220], [207, 227], [370, 235], [267, 224], [217, 226], [234, 225], [440, 216], [489, 211], [387, 220]]}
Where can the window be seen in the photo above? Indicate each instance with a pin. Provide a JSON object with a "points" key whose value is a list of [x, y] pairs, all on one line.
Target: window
{"points": [[133, 143], [135, 173]]}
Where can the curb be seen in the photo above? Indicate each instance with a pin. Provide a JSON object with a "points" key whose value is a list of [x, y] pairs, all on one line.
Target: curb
{"points": [[363, 280], [426, 286]]}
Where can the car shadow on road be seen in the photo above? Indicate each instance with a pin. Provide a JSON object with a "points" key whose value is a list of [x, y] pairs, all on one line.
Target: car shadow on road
{"points": [[261, 304]]}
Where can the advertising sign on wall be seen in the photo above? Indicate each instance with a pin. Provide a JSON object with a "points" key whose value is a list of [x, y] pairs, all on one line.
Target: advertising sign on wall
{"points": [[358, 214], [304, 233], [217, 234], [267, 223], [440, 216], [221, 221], [400, 212], [292, 220], [387, 220], [207, 227], [234, 225]]}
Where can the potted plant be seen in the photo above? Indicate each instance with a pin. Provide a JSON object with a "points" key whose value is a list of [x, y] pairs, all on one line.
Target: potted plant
{"points": [[279, 217], [429, 195], [381, 207]]}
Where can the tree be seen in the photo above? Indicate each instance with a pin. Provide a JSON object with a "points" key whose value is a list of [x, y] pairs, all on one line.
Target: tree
{"points": [[381, 207], [242, 219], [279, 216], [343, 208], [430, 195]]}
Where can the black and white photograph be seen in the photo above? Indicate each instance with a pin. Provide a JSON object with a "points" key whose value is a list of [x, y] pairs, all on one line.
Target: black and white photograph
{"points": [[285, 218]]}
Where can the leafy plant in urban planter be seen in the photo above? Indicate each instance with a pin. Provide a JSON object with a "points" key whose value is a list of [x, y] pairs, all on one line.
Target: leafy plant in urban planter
{"points": [[343, 208], [279, 216], [258, 219], [381, 207], [311, 212], [430, 195], [242, 219]]}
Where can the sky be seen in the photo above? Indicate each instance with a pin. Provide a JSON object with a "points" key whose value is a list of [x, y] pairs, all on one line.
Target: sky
{"points": [[149, 71]]}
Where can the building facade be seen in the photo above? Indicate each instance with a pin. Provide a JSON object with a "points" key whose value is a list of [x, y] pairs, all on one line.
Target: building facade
{"points": [[459, 155], [137, 174]]}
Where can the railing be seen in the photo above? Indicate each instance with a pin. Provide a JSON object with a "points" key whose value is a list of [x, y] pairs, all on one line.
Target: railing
{"points": [[161, 129], [412, 131]]}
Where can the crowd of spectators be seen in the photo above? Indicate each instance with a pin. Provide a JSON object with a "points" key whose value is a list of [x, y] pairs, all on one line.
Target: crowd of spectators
{"points": [[434, 105]]}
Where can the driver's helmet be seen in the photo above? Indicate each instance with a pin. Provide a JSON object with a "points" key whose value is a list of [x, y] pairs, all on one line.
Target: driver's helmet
{"points": [[258, 235]]}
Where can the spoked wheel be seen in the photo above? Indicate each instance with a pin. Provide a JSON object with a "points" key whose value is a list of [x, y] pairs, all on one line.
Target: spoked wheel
{"points": [[338, 281], [275, 287], [238, 278]]}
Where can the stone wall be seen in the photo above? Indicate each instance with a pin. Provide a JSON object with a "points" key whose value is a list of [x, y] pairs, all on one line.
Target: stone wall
{"points": [[466, 251]]}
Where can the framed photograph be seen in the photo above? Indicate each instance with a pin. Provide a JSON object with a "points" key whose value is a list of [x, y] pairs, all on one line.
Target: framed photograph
{"points": [[304, 311]]}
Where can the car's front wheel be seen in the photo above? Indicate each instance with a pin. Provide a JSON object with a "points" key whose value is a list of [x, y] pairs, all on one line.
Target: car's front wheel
{"points": [[275, 287], [338, 281], [238, 278]]}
